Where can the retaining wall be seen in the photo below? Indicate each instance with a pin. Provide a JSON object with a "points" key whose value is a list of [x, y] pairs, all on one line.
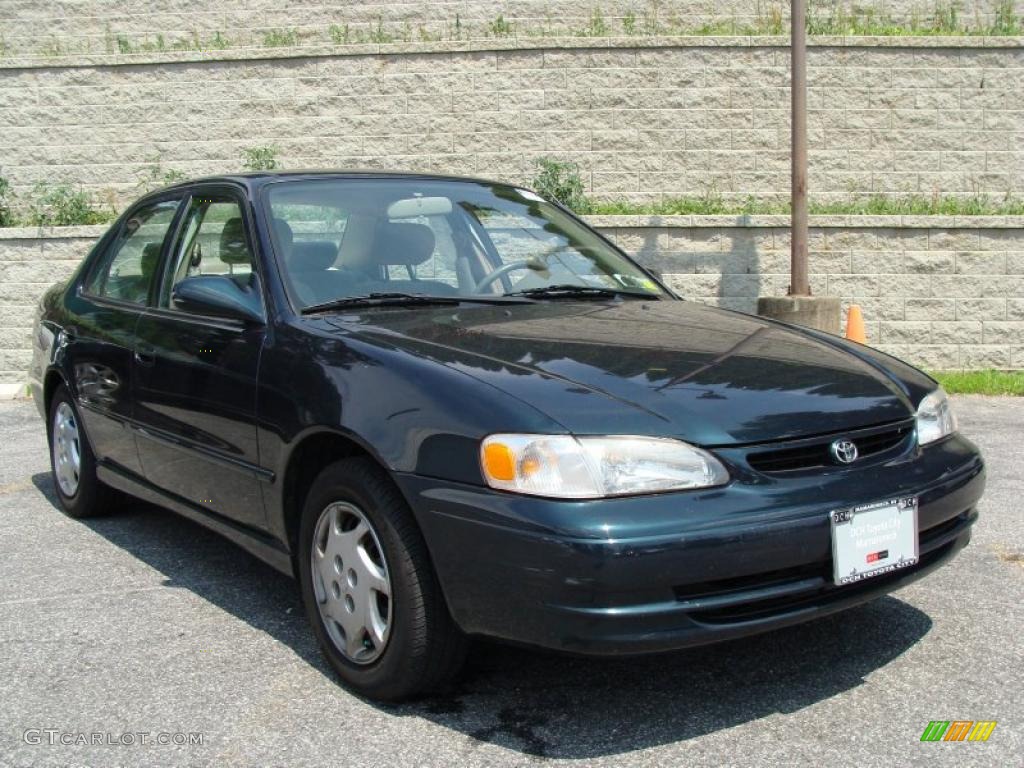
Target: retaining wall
{"points": [[941, 292], [644, 119], [30, 26]]}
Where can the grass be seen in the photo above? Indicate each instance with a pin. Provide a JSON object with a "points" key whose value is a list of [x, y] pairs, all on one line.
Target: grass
{"points": [[7, 218], [944, 18], [562, 182], [869, 205], [62, 205], [280, 38], [259, 158], [982, 382], [500, 27]]}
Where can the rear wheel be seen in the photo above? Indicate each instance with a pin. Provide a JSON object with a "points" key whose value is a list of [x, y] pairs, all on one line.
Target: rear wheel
{"points": [[72, 462], [369, 589]]}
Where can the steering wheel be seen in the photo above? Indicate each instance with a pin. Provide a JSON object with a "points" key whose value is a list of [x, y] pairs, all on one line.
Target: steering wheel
{"points": [[500, 272]]}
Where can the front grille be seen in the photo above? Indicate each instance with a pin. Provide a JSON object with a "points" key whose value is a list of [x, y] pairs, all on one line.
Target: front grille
{"points": [[812, 585], [815, 453], [754, 581], [928, 535], [775, 606]]}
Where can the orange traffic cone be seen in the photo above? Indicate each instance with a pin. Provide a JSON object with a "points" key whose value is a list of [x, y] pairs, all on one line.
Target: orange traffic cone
{"points": [[855, 324]]}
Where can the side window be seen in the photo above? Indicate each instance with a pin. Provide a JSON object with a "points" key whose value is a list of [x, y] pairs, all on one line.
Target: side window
{"points": [[128, 267], [213, 242]]}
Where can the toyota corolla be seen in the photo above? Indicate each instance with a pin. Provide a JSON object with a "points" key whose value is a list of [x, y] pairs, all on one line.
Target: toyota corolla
{"points": [[449, 408]]}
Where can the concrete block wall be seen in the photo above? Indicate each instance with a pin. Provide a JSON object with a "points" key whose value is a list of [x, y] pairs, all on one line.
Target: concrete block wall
{"points": [[643, 119], [942, 293], [79, 26], [31, 260]]}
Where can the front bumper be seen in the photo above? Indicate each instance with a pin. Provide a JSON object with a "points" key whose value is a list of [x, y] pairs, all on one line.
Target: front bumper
{"points": [[659, 572]]}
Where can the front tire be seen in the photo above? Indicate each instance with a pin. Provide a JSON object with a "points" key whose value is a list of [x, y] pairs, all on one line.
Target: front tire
{"points": [[72, 462], [369, 589]]}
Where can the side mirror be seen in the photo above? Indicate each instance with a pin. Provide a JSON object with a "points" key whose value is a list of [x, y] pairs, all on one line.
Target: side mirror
{"points": [[220, 296]]}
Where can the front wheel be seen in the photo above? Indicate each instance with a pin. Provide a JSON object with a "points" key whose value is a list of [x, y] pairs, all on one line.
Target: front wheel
{"points": [[370, 592]]}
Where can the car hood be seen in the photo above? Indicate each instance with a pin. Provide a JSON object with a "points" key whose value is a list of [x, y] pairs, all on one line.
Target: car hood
{"points": [[667, 368]]}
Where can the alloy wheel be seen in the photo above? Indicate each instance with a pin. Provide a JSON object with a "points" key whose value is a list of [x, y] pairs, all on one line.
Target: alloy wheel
{"points": [[67, 449]]}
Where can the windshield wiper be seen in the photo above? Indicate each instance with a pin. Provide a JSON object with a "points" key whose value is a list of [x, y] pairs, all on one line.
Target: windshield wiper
{"points": [[569, 290], [388, 299], [379, 299]]}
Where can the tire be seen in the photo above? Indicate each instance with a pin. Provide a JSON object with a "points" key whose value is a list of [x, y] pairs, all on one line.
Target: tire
{"points": [[86, 496], [422, 648]]}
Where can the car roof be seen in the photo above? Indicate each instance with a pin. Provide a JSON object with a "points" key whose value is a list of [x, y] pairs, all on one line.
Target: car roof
{"points": [[254, 179]]}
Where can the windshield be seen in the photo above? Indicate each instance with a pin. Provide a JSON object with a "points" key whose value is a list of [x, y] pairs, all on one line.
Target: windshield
{"points": [[346, 238]]}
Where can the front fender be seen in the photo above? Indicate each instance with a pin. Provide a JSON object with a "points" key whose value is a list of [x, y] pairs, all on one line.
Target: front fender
{"points": [[412, 414]]}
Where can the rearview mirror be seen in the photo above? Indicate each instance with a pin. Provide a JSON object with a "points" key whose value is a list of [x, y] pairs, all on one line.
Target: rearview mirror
{"points": [[419, 206], [220, 296]]}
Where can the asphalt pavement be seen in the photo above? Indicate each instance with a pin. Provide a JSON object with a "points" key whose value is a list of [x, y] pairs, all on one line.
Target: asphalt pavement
{"points": [[120, 633]]}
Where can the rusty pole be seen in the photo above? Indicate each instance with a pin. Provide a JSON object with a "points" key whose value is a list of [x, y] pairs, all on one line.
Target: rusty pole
{"points": [[798, 284]]}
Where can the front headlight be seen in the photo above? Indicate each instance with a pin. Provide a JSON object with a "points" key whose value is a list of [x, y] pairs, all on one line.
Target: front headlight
{"points": [[567, 467], [935, 418]]}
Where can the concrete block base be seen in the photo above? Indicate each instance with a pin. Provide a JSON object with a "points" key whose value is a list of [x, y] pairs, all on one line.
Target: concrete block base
{"points": [[10, 390], [820, 312]]}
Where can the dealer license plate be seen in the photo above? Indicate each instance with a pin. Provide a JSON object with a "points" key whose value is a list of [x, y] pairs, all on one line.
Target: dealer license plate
{"points": [[873, 539]]}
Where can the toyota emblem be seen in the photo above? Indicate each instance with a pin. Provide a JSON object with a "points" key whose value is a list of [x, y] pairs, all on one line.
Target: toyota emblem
{"points": [[844, 451]]}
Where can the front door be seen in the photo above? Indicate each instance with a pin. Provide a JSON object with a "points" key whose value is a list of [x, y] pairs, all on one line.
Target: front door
{"points": [[195, 375]]}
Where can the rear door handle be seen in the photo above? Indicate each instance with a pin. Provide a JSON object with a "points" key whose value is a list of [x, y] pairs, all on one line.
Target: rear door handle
{"points": [[145, 355]]}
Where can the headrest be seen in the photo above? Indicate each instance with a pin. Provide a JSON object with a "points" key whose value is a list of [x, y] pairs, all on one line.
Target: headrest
{"points": [[284, 233], [233, 248], [312, 256], [405, 244], [149, 259]]}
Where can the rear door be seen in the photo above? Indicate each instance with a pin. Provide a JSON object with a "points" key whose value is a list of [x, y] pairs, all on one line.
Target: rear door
{"points": [[195, 375], [98, 339]]}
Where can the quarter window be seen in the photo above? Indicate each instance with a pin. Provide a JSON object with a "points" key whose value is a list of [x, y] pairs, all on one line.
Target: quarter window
{"points": [[129, 265]]}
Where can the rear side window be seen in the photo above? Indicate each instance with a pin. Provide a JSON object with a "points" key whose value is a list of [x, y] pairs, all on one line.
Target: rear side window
{"points": [[128, 267]]}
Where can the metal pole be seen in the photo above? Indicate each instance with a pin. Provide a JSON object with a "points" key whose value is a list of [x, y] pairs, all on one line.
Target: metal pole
{"points": [[798, 285]]}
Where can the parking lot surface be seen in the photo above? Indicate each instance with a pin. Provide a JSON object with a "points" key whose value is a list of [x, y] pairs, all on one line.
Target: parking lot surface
{"points": [[142, 626]]}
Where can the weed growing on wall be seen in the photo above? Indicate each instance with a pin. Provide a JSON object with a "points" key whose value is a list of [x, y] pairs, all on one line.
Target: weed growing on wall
{"points": [[596, 26], [713, 204], [827, 18], [153, 175], [379, 34], [561, 182], [280, 38], [426, 36], [629, 23], [61, 205], [340, 34], [259, 158], [6, 215], [218, 41], [500, 28], [1007, 22]]}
